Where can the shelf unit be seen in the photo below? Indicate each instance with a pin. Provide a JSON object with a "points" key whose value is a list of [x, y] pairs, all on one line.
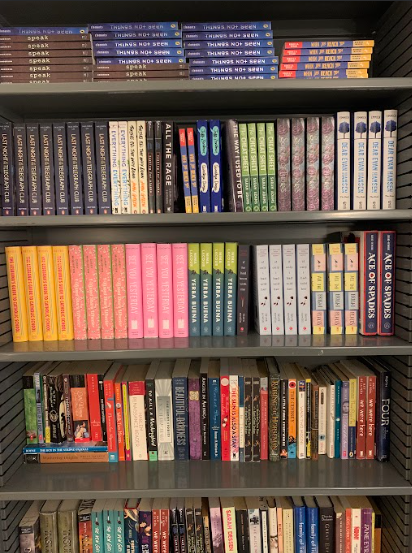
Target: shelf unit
{"points": [[391, 87]]}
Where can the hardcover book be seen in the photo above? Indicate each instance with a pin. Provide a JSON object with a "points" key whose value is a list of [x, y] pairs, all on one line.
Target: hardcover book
{"points": [[20, 162], [149, 292], [125, 191], [284, 181], [142, 155], [343, 134], [374, 160], [102, 168], [78, 292], [115, 167], [289, 288], [104, 262], [276, 289], [134, 291], [386, 283], [180, 291], [253, 166], [299, 163], [203, 165], [194, 289], [216, 192], [33, 175], [206, 287], [312, 164], [75, 169], [351, 285], [32, 291], [262, 166], [271, 157], [230, 288], [193, 380], [318, 288], [336, 288], [63, 292], [192, 169], [164, 414], [389, 146], [243, 290], [91, 277], [165, 290], [61, 181], [234, 172], [119, 290], [360, 151], [261, 290], [244, 161], [303, 288], [181, 409]]}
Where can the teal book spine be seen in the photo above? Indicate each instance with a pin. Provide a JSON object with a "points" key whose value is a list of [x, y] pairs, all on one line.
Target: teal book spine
{"points": [[108, 528], [206, 289], [218, 287], [118, 527], [230, 288], [97, 530], [338, 407]]}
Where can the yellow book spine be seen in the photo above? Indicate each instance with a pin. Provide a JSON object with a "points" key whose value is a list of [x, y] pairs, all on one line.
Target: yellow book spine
{"points": [[292, 419], [48, 293], [32, 289], [126, 418], [15, 279], [63, 292]]}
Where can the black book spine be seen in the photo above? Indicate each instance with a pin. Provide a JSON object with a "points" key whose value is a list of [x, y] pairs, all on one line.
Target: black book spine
{"points": [[383, 407], [174, 530], [284, 418], [68, 408], [47, 169], [89, 168], [75, 169], [158, 167], [182, 530], [150, 166], [326, 530], [20, 160], [190, 530], [151, 419], [56, 408], [200, 542], [235, 193], [248, 418], [46, 417], [256, 418], [33, 155], [103, 168], [243, 293], [242, 530], [308, 419], [7, 191], [102, 407], [274, 418], [204, 414], [61, 180], [168, 165]]}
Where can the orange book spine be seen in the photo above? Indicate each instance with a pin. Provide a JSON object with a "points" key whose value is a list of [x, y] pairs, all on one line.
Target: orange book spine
{"points": [[292, 419], [15, 280], [32, 290], [47, 293], [63, 292], [118, 401]]}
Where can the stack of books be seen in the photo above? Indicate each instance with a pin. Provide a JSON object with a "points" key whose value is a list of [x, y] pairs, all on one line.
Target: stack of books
{"points": [[138, 51], [45, 55], [201, 524], [230, 51], [335, 59], [229, 409]]}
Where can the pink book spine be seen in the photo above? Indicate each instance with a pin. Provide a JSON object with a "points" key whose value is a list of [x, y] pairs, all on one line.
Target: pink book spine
{"points": [[104, 258], [149, 287], [298, 164], [165, 290], [312, 163], [328, 164], [180, 291], [119, 290], [134, 291], [78, 292], [92, 292]]}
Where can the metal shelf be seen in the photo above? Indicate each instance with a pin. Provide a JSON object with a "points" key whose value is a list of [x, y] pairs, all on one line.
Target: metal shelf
{"points": [[237, 346], [212, 478]]}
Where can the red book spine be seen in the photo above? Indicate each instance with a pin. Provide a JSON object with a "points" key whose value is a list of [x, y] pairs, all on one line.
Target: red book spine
{"points": [[118, 402], [370, 429], [94, 408], [156, 531], [164, 529], [108, 387], [264, 424], [225, 414], [348, 531], [361, 426], [85, 535]]}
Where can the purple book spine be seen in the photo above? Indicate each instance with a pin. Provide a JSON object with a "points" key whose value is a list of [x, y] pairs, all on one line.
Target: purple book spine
{"points": [[195, 435], [344, 420], [284, 188], [298, 164], [366, 531], [328, 164], [145, 530], [216, 527], [312, 164]]}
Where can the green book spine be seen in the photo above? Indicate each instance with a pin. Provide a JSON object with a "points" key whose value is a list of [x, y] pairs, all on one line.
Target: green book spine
{"points": [[206, 289], [244, 164], [263, 170], [218, 287], [230, 288], [194, 290], [253, 166], [30, 410], [271, 158]]}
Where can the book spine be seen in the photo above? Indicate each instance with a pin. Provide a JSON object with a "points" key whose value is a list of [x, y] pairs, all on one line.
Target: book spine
{"points": [[344, 442], [32, 291], [299, 165], [45, 401], [351, 285], [225, 417], [229, 529], [389, 146], [244, 164], [312, 164], [80, 410], [182, 530], [192, 169], [255, 539], [120, 426], [109, 399], [366, 531], [234, 173], [61, 181], [119, 290], [67, 409], [150, 167], [343, 177], [274, 412], [38, 388], [284, 419], [206, 290], [145, 537], [335, 288], [75, 169], [230, 288], [371, 409], [185, 170], [383, 408], [158, 167], [194, 289], [253, 166], [7, 170], [195, 444], [216, 193], [47, 170], [323, 417], [103, 168], [315, 424], [21, 168], [386, 286], [289, 288], [124, 173], [243, 292], [242, 530], [327, 163], [203, 166], [174, 531], [204, 416], [301, 418], [115, 167], [241, 382], [214, 418], [126, 422], [256, 414], [318, 288], [300, 529], [137, 393], [94, 407], [271, 157], [352, 418], [47, 293], [91, 277], [369, 282], [149, 291], [292, 419], [312, 529], [134, 291], [142, 155], [151, 419], [248, 418], [308, 418], [181, 417], [218, 287], [360, 127], [264, 419], [303, 288], [78, 292], [165, 290], [102, 406], [234, 417], [331, 44], [33, 169], [15, 277], [63, 292], [180, 291], [326, 530], [131, 529], [374, 160], [262, 166], [284, 182], [104, 258], [30, 412], [164, 530], [164, 409], [276, 289], [168, 165]]}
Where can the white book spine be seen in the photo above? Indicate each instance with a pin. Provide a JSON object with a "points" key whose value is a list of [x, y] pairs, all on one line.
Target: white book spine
{"points": [[330, 422], [343, 160], [133, 168], [261, 286], [356, 531], [254, 531], [301, 419], [142, 153], [289, 288], [242, 430], [229, 529], [390, 132], [322, 420], [138, 427], [288, 541], [164, 416], [265, 530], [374, 160], [303, 285], [276, 289], [273, 530], [124, 168], [234, 417], [115, 167], [360, 134]]}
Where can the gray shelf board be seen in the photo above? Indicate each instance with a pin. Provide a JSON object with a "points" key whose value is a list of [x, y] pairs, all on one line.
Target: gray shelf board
{"points": [[212, 478], [233, 346], [184, 219]]}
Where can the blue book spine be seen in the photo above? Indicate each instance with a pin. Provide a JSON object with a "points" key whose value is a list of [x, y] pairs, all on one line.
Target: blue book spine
{"points": [[8, 204], [162, 52], [228, 35], [317, 59], [203, 165], [185, 170], [47, 169], [194, 290], [262, 77], [123, 44], [101, 133], [108, 515], [215, 175], [300, 529], [20, 161], [24, 31], [227, 53], [97, 531], [119, 529], [241, 26], [78, 448], [351, 442], [338, 407], [271, 60], [157, 26], [214, 420], [243, 44], [89, 168], [127, 61], [386, 302], [61, 177], [75, 169], [312, 522], [181, 418], [369, 311], [135, 35], [241, 381], [246, 70], [131, 534], [191, 149], [383, 405], [33, 156]]}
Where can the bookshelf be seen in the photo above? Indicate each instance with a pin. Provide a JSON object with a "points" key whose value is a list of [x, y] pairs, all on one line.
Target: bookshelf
{"points": [[391, 87]]}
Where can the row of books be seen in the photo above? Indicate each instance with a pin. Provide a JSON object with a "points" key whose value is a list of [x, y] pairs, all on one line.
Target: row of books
{"points": [[229, 409], [203, 525], [346, 59]]}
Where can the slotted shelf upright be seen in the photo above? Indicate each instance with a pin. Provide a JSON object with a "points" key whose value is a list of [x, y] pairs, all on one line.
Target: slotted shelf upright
{"points": [[390, 24]]}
